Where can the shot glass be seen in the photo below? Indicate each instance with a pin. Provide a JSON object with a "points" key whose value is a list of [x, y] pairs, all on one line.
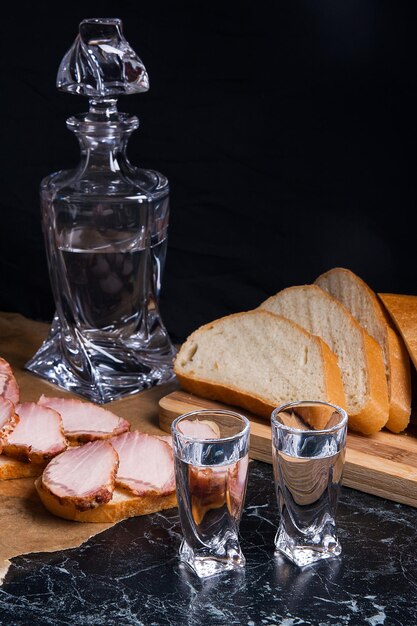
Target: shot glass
{"points": [[308, 468], [211, 466]]}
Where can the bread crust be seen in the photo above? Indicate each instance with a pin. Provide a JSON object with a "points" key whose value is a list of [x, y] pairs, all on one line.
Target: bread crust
{"points": [[379, 310], [230, 394], [374, 414], [333, 378], [403, 311], [12, 468], [396, 358], [400, 400], [122, 506]]}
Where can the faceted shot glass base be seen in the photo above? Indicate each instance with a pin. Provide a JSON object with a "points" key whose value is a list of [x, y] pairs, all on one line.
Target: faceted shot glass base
{"points": [[211, 564], [308, 552]]}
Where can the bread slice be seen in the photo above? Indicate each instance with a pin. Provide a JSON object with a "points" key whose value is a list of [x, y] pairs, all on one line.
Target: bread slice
{"points": [[403, 311], [359, 356], [257, 360], [12, 468], [368, 310], [121, 506]]}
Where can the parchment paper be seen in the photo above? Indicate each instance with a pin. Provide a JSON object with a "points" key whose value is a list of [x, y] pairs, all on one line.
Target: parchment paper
{"points": [[26, 526]]}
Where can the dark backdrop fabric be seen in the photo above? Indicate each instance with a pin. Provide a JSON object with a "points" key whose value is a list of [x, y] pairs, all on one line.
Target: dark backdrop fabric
{"points": [[287, 131]]}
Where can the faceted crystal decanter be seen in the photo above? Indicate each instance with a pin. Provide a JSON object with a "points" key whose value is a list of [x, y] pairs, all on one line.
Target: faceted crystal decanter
{"points": [[105, 226]]}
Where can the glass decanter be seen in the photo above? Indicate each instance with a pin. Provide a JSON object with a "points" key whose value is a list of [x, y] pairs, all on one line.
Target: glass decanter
{"points": [[105, 226]]}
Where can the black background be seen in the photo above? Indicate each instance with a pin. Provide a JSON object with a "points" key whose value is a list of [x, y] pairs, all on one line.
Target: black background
{"points": [[287, 131]]}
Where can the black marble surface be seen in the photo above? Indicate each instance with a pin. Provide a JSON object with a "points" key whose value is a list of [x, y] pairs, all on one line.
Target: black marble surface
{"points": [[130, 574]]}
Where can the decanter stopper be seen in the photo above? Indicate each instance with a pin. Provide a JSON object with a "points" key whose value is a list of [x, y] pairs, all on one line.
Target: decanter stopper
{"points": [[101, 63]]}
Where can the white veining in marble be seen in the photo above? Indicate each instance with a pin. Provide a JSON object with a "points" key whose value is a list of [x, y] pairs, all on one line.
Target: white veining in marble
{"points": [[130, 575]]}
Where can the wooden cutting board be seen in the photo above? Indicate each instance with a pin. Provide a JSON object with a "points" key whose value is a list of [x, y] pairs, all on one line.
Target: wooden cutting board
{"points": [[383, 464]]}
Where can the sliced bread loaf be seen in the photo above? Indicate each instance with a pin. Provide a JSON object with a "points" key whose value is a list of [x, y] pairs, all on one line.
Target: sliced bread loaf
{"points": [[367, 309], [258, 360], [122, 505], [359, 356]]}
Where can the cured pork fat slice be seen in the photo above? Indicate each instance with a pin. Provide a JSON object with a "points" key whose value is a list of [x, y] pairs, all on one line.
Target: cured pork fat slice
{"points": [[83, 476], [8, 420], [166, 438], [9, 388], [199, 429], [85, 421], [38, 436], [146, 464], [196, 429]]}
